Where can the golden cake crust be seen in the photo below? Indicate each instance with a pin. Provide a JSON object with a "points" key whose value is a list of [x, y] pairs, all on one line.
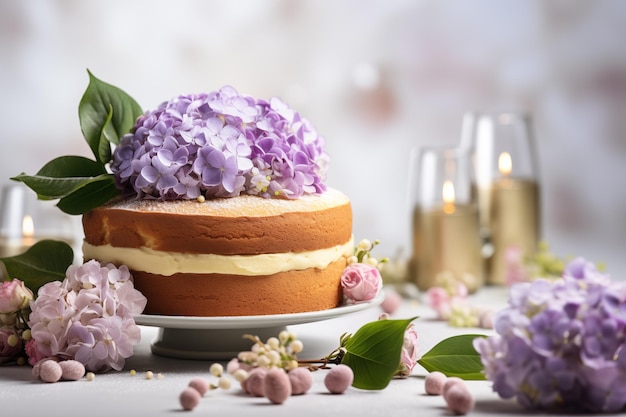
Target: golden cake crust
{"points": [[232, 295], [245, 225]]}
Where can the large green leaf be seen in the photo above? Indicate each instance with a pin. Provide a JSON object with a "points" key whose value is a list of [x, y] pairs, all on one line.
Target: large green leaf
{"points": [[89, 195], [373, 352], [61, 176], [106, 113], [72, 166], [455, 356], [43, 262], [77, 195]]}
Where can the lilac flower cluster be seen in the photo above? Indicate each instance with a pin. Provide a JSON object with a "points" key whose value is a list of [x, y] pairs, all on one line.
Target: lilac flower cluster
{"points": [[560, 344], [220, 144], [87, 317]]}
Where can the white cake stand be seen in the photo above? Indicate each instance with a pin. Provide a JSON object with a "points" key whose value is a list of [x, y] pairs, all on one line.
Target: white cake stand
{"points": [[220, 338]]}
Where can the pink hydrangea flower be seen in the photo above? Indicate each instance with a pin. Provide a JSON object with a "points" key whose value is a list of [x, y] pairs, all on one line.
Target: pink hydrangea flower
{"points": [[14, 296], [33, 354], [87, 317], [361, 282]]}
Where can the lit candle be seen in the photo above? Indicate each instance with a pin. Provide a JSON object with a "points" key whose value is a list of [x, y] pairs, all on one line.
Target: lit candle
{"points": [[513, 217], [28, 231], [446, 239], [15, 245]]}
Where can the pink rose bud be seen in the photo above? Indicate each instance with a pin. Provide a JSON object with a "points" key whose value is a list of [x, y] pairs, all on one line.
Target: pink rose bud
{"points": [[361, 282], [408, 356], [14, 296]]}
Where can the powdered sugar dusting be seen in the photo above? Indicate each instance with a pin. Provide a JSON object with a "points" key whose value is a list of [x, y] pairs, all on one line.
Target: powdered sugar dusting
{"points": [[244, 205]]}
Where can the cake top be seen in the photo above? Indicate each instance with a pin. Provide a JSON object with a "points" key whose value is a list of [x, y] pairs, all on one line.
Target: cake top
{"points": [[245, 205], [196, 146], [220, 144]]}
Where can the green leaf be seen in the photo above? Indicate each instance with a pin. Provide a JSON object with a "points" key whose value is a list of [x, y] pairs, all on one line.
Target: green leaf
{"points": [[72, 166], [91, 194], [61, 176], [455, 356], [43, 262], [80, 183], [106, 113], [373, 352]]}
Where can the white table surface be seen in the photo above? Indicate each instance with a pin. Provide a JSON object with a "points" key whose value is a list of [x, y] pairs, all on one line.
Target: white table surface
{"points": [[120, 394]]}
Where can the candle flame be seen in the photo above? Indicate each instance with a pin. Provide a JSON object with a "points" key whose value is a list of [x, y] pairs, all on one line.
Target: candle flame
{"points": [[505, 164], [448, 196], [28, 226]]}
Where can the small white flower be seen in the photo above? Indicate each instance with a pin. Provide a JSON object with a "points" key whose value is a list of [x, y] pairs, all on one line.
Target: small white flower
{"points": [[240, 375], [224, 383], [372, 262], [216, 369], [365, 245], [296, 346], [273, 343]]}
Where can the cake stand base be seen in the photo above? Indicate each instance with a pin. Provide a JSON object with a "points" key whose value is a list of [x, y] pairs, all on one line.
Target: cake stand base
{"points": [[221, 338], [208, 344]]}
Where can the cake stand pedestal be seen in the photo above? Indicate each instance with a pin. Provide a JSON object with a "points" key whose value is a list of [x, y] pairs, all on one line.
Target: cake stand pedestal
{"points": [[221, 338], [217, 344]]}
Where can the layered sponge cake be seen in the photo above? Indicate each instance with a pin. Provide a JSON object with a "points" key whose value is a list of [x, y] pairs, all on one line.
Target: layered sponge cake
{"points": [[228, 257]]}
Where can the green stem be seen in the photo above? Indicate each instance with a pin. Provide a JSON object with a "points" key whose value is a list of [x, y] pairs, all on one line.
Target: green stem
{"points": [[334, 358]]}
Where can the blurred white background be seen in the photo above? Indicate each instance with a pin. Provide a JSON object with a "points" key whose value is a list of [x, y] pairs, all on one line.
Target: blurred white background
{"points": [[375, 77]]}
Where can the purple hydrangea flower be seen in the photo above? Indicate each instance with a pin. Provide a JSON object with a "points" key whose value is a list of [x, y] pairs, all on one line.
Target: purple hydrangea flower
{"points": [[560, 344], [220, 144], [88, 317]]}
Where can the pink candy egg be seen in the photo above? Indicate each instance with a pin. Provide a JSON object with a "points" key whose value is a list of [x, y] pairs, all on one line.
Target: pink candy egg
{"points": [[72, 370], [459, 399], [276, 386], [199, 384], [391, 302], [338, 379], [453, 380], [301, 381], [434, 382], [50, 371], [254, 383], [189, 398]]}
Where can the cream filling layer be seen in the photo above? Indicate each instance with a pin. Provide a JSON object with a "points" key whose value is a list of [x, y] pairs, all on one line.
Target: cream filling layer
{"points": [[169, 263]]}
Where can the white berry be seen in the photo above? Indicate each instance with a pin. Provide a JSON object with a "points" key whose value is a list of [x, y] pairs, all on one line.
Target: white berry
{"points": [[216, 369]]}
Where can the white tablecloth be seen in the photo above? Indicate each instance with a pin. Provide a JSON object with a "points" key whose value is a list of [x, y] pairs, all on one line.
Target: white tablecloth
{"points": [[120, 394]]}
